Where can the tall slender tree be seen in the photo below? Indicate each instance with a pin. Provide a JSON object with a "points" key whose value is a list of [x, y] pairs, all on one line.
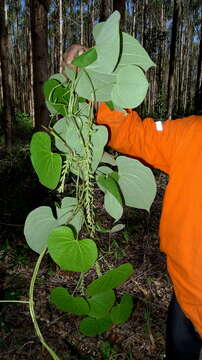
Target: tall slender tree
{"points": [[198, 90], [6, 78], [175, 25], [119, 5], [39, 31], [104, 10], [61, 33]]}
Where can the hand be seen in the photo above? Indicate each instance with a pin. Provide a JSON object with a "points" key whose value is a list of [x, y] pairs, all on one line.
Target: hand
{"points": [[70, 54]]}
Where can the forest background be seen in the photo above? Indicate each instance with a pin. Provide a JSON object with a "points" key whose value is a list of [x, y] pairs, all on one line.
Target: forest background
{"points": [[33, 37], [35, 34]]}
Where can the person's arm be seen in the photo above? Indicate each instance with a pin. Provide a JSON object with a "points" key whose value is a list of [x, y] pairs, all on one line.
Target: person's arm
{"points": [[152, 142]]}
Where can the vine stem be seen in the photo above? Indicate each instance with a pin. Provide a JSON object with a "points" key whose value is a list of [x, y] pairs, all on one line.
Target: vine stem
{"points": [[31, 307], [15, 301]]}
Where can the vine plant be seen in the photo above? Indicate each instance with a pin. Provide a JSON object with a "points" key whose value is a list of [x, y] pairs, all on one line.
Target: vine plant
{"points": [[113, 71]]}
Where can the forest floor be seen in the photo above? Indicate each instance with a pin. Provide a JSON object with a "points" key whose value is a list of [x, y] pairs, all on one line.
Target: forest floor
{"points": [[141, 337]]}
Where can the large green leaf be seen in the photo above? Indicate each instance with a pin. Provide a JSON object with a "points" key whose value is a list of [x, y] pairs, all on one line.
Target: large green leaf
{"points": [[72, 132], [97, 28], [107, 45], [95, 85], [64, 301], [40, 222], [137, 183], [110, 280], [91, 327], [132, 53], [38, 225], [69, 213], [130, 88], [46, 164], [100, 304], [121, 312], [69, 253]]}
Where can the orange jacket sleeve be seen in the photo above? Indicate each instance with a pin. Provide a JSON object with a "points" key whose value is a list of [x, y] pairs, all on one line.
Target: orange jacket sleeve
{"points": [[130, 135]]}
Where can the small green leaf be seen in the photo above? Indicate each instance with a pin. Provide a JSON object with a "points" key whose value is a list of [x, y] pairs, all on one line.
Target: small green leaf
{"points": [[69, 253], [110, 280], [112, 206], [60, 78], [57, 95], [86, 58], [46, 164], [110, 105], [137, 183], [103, 170], [113, 197], [102, 228], [92, 327], [100, 304], [108, 159], [109, 184], [68, 303], [121, 312], [117, 228], [130, 88]]}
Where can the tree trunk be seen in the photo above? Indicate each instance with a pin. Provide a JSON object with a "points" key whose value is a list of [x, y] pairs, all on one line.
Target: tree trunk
{"points": [[104, 10], [39, 33], [171, 85], [6, 79], [134, 18], [198, 92], [29, 79], [61, 34], [161, 51], [119, 5], [82, 24]]}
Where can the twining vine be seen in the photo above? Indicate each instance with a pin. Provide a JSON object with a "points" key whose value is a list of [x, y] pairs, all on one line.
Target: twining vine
{"points": [[117, 78]]}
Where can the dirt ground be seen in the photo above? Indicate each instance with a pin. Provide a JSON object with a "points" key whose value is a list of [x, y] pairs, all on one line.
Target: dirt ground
{"points": [[142, 337]]}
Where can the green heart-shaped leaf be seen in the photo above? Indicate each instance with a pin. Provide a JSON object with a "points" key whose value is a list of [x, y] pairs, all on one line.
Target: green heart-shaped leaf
{"points": [[92, 327], [107, 44], [69, 253], [46, 164], [63, 301], [72, 133], [137, 183], [110, 280], [121, 312], [100, 304], [40, 222]]}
